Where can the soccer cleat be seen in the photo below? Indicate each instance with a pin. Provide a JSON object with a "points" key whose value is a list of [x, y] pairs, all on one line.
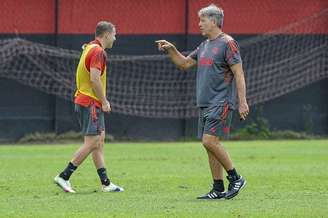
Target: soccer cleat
{"points": [[112, 188], [64, 184], [213, 195], [235, 185]]}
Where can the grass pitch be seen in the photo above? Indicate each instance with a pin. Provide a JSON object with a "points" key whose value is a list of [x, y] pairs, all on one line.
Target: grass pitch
{"points": [[285, 179]]}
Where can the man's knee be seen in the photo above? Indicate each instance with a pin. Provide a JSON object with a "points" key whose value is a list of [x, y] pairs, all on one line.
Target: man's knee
{"points": [[92, 141], [102, 138], [209, 141]]}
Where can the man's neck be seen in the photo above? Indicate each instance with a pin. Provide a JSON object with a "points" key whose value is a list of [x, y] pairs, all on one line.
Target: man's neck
{"points": [[101, 42], [215, 34]]}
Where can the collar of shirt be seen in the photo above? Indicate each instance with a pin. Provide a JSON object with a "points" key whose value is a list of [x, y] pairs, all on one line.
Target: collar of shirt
{"points": [[96, 41]]}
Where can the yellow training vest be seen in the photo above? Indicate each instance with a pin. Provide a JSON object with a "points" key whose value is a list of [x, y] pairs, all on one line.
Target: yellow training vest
{"points": [[83, 83]]}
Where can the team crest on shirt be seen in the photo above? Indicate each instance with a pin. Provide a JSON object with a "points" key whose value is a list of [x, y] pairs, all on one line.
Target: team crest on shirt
{"points": [[215, 50]]}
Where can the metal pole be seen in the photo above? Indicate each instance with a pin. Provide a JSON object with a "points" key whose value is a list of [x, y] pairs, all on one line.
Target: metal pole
{"points": [[184, 121], [56, 25]]}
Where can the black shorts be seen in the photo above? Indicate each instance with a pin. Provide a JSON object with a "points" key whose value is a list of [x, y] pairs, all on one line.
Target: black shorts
{"points": [[91, 119], [215, 120]]}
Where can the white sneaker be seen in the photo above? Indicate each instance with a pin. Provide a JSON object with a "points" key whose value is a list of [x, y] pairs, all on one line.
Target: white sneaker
{"points": [[64, 184], [112, 188]]}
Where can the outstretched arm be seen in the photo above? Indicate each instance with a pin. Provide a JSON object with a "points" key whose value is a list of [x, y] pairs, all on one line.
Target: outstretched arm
{"points": [[177, 58]]}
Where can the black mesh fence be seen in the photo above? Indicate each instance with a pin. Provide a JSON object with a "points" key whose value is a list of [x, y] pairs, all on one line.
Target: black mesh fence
{"points": [[275, 63]]}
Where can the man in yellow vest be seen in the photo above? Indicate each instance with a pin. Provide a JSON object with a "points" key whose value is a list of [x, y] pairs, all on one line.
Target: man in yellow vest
{"points": [[90, 105]]}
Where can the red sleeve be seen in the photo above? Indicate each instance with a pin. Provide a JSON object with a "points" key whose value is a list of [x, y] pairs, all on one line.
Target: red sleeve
{"points": [[96, 59], [232, 55]]}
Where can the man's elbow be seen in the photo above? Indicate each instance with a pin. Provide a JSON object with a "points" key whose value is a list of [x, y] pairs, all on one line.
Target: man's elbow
{"points": [[184, 66]]}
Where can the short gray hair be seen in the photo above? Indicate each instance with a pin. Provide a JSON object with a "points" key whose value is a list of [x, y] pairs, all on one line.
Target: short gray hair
{"points": [[213, 13], [102, 27]]}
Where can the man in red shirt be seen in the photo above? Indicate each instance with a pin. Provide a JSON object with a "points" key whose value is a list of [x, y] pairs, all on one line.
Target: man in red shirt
{"points": [[90, 105]]}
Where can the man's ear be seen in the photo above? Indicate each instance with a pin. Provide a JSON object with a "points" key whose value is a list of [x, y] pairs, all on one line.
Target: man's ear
{"points": [[214, 22]]}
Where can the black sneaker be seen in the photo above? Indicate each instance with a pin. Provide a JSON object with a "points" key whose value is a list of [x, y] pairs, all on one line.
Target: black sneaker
{"points": [[213, 195], [235, 185]]}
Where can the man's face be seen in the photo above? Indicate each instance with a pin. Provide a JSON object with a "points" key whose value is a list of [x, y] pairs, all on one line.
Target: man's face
{"points": [[110, 38], [206, 25]]}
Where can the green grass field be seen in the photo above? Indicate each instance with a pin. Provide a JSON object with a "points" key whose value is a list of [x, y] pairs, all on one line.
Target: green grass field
{"points": [[285, 179]]}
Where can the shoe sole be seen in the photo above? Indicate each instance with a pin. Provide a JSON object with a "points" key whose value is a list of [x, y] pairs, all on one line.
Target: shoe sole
{"points": [[217, 199], [65, 190], [112, 191], [234, 195], [211, 199]]}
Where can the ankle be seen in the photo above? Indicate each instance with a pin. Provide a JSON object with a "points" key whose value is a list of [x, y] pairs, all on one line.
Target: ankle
{"points": [[218, 185], [233, 175]]}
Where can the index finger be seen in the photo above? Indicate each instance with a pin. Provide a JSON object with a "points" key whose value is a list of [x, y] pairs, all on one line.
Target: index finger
{"points": [[160, 41]]}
